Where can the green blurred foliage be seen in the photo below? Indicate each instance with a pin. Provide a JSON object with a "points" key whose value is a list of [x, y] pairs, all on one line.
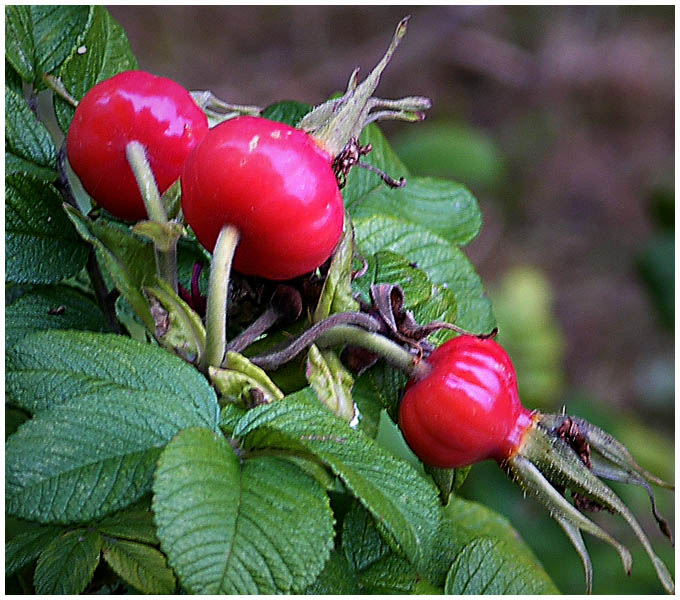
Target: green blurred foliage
{"points": [[523, 305], [449, 149]]}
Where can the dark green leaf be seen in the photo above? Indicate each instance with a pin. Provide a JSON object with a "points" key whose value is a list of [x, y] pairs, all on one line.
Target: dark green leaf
{"points": [[16, 164], [41, 244], [336, 578], [13, 418], [134, 523], [443, 207], [384, 384], [55, 33], [260, 527], [287, 111], [24, 548], [106, 405], [13, 79], [128, 259], [19, 47], [25, 136], [54, 307], [405, 503], [444, 263], [139, 565], [103, 51], [68, 563], [489, 566]]}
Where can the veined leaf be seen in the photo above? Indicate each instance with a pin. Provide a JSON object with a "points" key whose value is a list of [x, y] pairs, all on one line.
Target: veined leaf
{"points": [[103, 51], [68, 563], [16, 164], [141, 566], [288, 111], [106, 405], [336, 578], [331, 382], [404, 503], [444, 207], [19, 45], [41, 244], [135, 523], [25, 136], [24, 548], [53, 307], [260, 527], [490, 566], [444, 263]]}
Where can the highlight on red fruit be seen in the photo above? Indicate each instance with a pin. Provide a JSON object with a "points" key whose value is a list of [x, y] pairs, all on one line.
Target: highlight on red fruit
{"points": [[275, 185], [132, 106], [467, 408]]}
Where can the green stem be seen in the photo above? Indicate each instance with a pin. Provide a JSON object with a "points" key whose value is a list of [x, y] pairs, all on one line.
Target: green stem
{"points": [[166, 258], [57, 86], [218, 289], [392, 352]]}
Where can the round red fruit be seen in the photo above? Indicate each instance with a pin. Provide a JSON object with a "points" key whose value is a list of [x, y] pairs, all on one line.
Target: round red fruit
{"points": [[133, 105], [275, 185], [467, 408]]}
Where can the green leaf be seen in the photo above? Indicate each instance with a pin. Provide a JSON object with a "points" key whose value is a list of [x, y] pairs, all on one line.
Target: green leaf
{"points": [[16, 164], [24, 548], [331, 382], [67, 564], [25, 136], [55, 32], [489, 566], [12, 78], [374, 564], [336, 294], [13, 418], [139, 565], [134, 523], [41, 245], [103, 51], [443, 207], [336, 578], [19, 46], [258, 527], [444, 263], [105, 407], [287, 111], [54, 307], [127, 258], [387, 267], [384, 385], [403, 501]]}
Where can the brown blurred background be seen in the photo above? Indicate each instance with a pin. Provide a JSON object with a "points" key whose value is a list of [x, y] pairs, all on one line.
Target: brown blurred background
{"points": [[561, 121]]}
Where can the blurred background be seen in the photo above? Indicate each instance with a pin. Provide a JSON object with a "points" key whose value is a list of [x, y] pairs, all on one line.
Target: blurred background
{"points": [[561, 121]]}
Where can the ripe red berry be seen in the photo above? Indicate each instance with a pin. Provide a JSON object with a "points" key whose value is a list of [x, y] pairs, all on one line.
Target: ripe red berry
{"points": [[275, 185], [467, 408], [133, 105]]}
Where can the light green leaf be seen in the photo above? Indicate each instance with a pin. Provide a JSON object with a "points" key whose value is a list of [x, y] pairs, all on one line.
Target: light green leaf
{"points": [[403, 501], [331, 382], [127, 258], [67, 564], [139, 565], [103, 51], [443, 207], [25, 136], [239, 377], [105, 407], [53, 307], [41, 246], [24, 548], [258, 527], [444, 263], [336, 294], [490, 566]]}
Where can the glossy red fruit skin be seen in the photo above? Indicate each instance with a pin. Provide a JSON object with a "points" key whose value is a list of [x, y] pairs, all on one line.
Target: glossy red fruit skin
{"points": [[467, 409], [275, 185], [133, 105]]}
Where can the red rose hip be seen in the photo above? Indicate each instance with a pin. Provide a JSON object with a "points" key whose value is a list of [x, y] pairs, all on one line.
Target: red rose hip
{"points": [[275, 185], [133, 105], [467, 408]]}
